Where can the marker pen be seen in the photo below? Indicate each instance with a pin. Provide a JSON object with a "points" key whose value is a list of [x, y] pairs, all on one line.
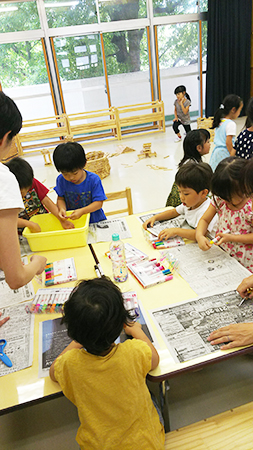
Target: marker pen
{"points": [[215, 240]]}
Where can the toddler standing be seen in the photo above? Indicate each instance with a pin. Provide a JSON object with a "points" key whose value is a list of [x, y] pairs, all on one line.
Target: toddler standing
{"points": [[181, 111], [235, 214]]}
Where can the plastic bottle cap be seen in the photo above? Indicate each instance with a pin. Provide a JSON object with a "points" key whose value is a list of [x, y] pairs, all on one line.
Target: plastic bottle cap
{"points": [[115, 237]]}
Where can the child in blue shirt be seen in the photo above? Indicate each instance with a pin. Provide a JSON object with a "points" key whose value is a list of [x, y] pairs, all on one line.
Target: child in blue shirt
{"points": [[77, 189]]}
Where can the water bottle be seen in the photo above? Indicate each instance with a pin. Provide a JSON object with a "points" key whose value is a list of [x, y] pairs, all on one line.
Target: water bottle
{"points": [[117, 255]]}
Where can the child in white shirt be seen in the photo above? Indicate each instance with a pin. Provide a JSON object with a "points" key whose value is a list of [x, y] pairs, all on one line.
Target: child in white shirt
{"points": [[193, 181]]}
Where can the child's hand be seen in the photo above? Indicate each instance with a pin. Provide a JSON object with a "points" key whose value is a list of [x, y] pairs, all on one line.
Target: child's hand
{"points": [[167, 233], [75, 214], [149, 222], [34, 227], [204, 243], [224, 237], [67, 225], [3, 321], [130, 329], [62, 213]]}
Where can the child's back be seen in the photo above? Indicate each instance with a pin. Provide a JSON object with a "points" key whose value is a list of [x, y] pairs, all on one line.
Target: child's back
{"points": [[107, 382]]}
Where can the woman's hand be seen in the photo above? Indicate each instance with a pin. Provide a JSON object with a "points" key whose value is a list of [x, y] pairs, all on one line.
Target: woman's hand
{"points": [[234, 335]]}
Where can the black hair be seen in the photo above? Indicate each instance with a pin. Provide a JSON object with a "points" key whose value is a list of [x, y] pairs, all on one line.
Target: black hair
{"points": [[10, 117], [191, 141], [246, 179], [95, 314], [182, 88], [249, 114], [22, 171], [69, 157], [226, 179], [194, 175], [230, 101]]}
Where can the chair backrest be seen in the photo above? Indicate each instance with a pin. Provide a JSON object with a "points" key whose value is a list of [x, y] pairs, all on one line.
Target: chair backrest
{"points": [[118, 195]]}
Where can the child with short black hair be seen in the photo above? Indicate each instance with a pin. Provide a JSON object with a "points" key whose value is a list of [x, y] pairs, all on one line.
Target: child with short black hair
{"points": [[107, 382], [196, 144], [35, 198], [77, 189], [193, 181]]}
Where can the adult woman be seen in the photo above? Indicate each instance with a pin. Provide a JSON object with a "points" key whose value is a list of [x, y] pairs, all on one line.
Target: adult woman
{"points": [[16, 274]]}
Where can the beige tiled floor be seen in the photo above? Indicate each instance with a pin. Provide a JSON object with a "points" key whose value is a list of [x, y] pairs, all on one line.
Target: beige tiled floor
{"points": [[193, 396]]}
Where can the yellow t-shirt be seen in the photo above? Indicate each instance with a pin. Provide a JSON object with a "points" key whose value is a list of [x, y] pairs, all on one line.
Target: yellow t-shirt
{"points": [[114, 404]]}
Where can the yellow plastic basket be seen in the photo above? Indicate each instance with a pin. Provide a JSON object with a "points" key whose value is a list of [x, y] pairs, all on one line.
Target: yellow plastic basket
{"points": [[53, 236]]}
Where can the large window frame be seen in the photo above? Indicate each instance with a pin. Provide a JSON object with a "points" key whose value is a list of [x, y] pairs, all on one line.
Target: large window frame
{"points": [[47, 34]]}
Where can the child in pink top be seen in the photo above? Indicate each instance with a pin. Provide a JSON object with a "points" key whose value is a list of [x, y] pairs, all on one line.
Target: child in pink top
{"points": [[235, 214]]}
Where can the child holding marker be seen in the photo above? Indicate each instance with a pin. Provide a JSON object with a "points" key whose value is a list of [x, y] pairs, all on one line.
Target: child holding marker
{"points": [[235, 213], [193, 181], [35, 198], [107, 381]]}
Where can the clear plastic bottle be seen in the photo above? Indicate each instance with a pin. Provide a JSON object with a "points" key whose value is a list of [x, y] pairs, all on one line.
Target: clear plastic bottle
{"points": [[117, 255]]}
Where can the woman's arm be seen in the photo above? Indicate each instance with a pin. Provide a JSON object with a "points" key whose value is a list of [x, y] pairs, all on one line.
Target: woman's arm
{"points": [[229, 144], [201, 230], [72, 345], [136, 332], [165, 215], [16, 274]]}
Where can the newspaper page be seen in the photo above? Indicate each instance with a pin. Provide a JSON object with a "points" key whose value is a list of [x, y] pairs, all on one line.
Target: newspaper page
{"points": [[18, 332], [212, 271], [53, 337], [10, 296], [185, 326], [177, 222], [103, 231]]}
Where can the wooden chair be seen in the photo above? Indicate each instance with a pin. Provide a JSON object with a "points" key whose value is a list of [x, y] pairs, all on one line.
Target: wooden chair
{"points": [[118, 195]]}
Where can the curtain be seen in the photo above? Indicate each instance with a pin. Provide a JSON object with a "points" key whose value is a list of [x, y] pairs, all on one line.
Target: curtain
{"points": [[228, 51]]}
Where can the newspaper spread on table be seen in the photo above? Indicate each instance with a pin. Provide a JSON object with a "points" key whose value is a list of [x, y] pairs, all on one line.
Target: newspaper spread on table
{"points": [[18, 332], [19, 329], [103, 231], [208, 272], [185, 326], [177, 222]]}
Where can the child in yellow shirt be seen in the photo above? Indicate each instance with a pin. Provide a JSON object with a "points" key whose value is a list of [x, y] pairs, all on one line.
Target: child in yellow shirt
{"points": [[107, 382]]}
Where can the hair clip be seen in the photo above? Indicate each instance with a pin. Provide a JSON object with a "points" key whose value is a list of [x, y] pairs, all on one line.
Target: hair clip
{"points": [[221, 106]]}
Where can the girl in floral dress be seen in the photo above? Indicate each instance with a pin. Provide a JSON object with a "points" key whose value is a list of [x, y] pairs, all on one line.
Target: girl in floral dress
{"points": [[235, 213]]}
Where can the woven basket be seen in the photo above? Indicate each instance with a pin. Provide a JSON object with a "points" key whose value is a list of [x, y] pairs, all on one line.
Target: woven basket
{"points": [[98, 163], [206, 122]]}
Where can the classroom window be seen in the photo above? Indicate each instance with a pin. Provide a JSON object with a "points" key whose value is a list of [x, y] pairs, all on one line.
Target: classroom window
{"points": [[127, 66], [62, 13], [79, 61], [111, 11], [178, 62], [173, 7], [18, 16], [23, 76]]}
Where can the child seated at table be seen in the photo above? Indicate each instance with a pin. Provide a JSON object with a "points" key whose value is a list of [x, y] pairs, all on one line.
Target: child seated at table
{"points": [[35, 198], [77, 189], [193, 181], [107, 381]]}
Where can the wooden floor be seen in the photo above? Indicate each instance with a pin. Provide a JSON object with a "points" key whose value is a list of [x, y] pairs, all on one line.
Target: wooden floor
{"points": [[230, 430]]}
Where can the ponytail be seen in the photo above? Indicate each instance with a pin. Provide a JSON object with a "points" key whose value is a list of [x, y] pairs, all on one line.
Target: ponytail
{"points": [[182, 88], [230, 101]]}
